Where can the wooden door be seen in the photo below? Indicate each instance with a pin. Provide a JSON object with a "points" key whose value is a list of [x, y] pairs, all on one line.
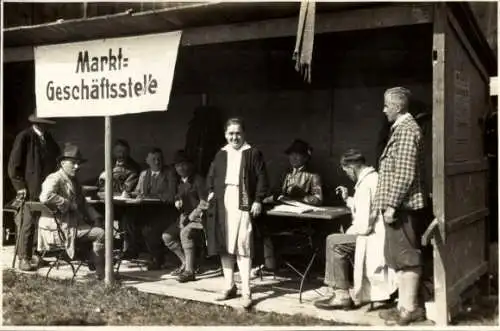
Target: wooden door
{"points": [[460, 100]]}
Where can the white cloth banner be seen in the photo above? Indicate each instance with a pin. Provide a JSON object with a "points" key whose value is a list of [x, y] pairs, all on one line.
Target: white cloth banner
{"points": [[106, 77]]}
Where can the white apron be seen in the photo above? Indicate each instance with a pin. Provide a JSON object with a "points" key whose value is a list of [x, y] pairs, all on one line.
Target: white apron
{"points": [[238, 223], [373, 280]]}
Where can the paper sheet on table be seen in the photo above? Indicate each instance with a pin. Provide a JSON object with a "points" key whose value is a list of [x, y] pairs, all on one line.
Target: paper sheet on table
{"points": [[291, 209], [300, 205]]}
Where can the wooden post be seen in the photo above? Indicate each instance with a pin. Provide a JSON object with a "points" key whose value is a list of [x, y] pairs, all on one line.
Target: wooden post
{"points": [[108, 271]]}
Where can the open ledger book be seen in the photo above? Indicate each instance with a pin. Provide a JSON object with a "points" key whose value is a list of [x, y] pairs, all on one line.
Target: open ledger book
{"points": [[292, 206]]}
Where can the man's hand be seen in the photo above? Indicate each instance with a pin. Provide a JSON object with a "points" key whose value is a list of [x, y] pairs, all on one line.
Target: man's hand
{"points": [[389, 215], [269, 199], [178, 204], [343, 192], [210, 196], [256, 209], [22, 193]]}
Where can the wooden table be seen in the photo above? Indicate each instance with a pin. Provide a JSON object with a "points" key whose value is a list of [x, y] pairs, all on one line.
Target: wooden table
{"points": [[127, 201], [325, 214]]}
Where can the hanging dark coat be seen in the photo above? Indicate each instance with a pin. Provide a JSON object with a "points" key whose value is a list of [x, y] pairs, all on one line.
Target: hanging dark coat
{"points": [[204, 137]]}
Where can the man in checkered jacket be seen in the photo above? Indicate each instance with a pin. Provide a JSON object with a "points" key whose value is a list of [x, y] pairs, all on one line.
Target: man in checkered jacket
{"points": [[400, 201]]}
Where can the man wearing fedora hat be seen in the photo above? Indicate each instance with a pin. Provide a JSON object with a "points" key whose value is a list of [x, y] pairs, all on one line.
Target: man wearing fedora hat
{"points": [[191, 200], [80, 222], [33, 156]]}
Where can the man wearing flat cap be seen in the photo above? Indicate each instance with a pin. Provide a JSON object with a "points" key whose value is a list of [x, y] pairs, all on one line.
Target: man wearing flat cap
{"points": [[80, 222], [33, 156], [400, 200]]}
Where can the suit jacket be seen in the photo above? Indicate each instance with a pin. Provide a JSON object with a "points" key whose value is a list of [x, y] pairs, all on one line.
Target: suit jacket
{"points": [[31, 161], [64, 195], [401, 164], [162, 187], [304, 186]]}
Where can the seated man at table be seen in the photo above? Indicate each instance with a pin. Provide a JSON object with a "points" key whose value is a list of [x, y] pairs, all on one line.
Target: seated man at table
{"points": [[125, 169], [80, 223], [298, 184], [183, 236], [157, 182], [363, 242]]}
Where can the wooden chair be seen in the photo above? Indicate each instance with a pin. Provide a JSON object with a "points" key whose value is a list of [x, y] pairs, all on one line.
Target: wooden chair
{"points": [[52, 241]]}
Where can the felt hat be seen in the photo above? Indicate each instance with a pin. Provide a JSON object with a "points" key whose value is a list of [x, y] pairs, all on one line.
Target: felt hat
{"points": [[71, 152], [181, 156], [34, 119], [299, 146]]}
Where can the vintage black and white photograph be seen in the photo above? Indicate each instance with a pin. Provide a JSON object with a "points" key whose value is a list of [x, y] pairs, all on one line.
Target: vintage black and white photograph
{"points": [[303, 163]]}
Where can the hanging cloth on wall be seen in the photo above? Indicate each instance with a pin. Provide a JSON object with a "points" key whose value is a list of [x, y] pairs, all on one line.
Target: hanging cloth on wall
{"points": [[302, 53], [204, 137]]}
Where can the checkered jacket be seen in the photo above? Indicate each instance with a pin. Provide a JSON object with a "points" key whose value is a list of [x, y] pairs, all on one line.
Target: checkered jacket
{"points": [[400, 174]]}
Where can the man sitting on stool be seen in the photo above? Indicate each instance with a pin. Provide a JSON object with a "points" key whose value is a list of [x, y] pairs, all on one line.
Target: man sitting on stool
{"points": [[363, 242]]}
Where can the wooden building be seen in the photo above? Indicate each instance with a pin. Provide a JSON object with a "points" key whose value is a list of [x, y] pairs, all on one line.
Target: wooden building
{"points": [[237, 57]]}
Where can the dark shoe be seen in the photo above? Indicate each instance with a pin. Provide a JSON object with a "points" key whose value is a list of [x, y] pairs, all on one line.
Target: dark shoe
{"points": [[91, 266], [186, 276], [334, 303], [389, 314], [228, 294], [407, 317], [178, 271], [25, 265]]}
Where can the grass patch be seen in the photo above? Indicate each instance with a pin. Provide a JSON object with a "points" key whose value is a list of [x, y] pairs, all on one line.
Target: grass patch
{"points": [[31, 300]]}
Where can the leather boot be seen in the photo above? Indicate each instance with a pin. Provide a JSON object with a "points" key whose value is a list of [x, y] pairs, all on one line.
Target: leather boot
{"points": [[25, 265]]}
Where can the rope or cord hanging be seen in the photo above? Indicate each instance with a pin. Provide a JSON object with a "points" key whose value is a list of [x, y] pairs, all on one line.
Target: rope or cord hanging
{"points": [[302, 53]]}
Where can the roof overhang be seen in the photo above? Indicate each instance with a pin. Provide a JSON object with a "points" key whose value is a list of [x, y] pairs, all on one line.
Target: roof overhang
{"points": [[159, 20], [210, 14]]}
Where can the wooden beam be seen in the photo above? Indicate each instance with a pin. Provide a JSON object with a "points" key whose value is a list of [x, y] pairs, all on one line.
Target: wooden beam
{"points": [[108, 247], [438, 164], [348, 20], [438, 118], [462, 221], [18, 54], [466, 167]]}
